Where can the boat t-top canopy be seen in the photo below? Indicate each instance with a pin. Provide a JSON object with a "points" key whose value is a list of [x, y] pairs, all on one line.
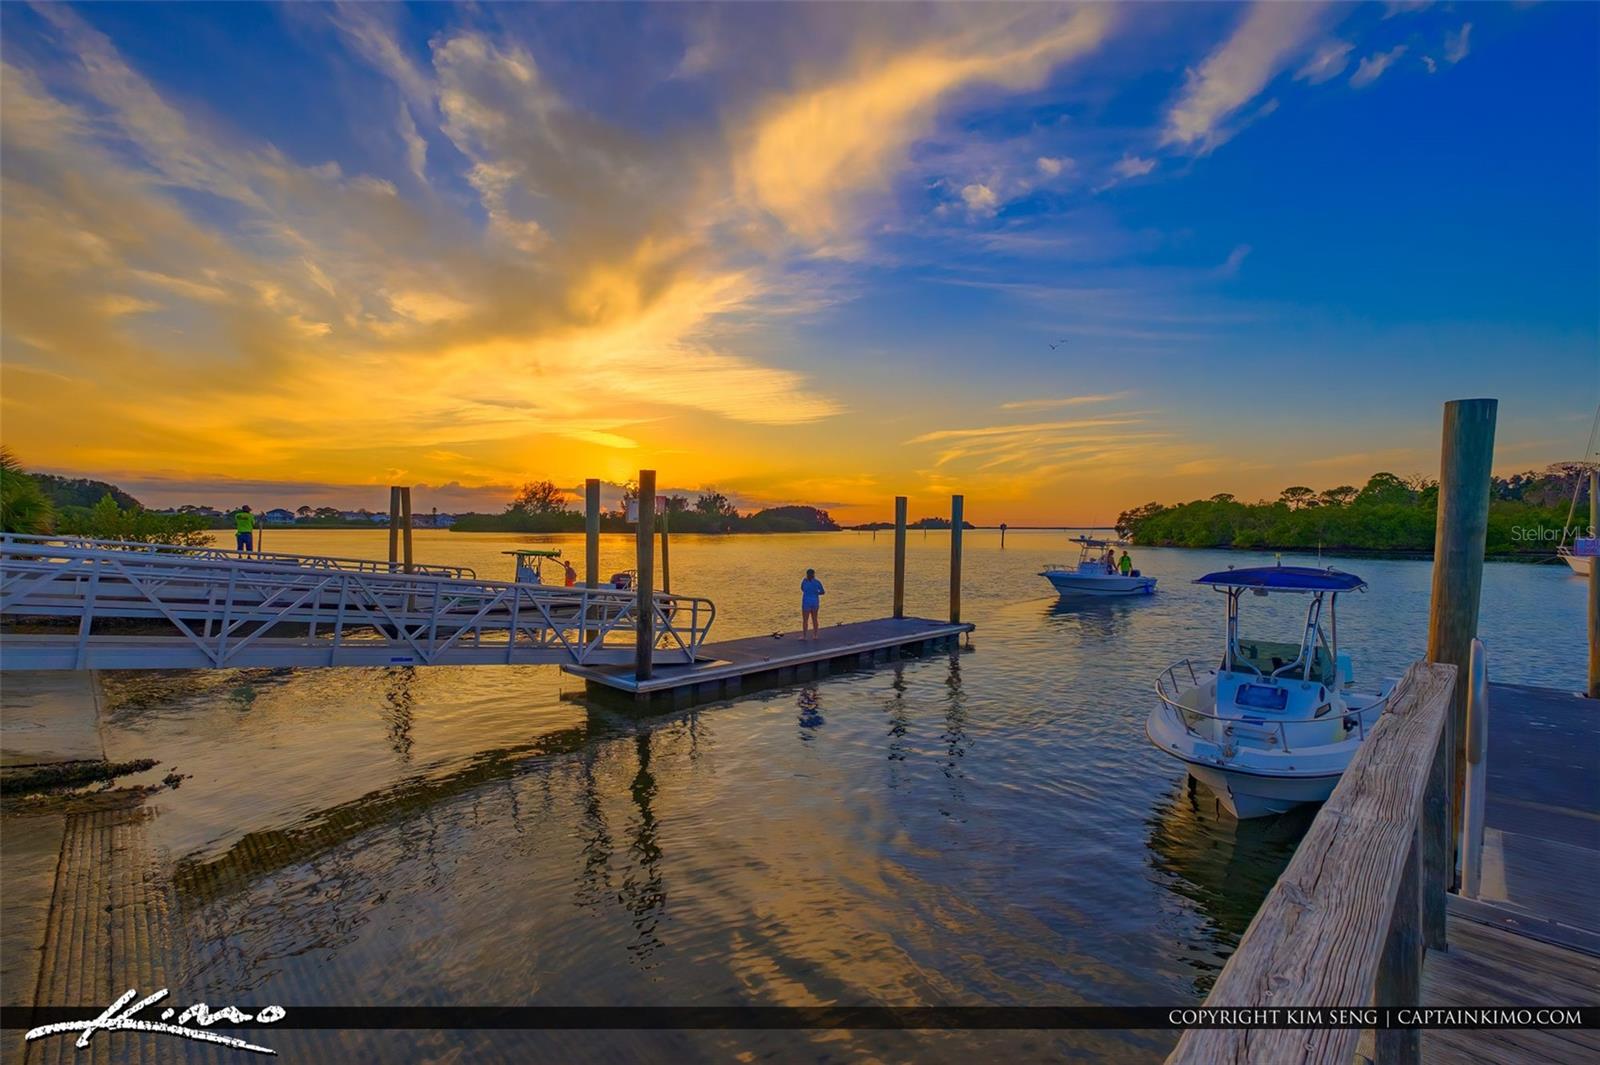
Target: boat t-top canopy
{"points": [[1092, 541], [1285, 579], [535, 552]]}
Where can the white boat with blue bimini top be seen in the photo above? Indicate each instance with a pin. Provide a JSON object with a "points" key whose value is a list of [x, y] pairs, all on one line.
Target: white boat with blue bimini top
{"points": [[1096, 572], [1274, 724]]}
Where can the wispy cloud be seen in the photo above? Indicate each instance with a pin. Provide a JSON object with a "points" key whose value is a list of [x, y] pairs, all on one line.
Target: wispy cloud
{"points": [[1458, 43], [810, 157], [1052, 402], [1373, 66], [1270, 36], [1326, 63]]}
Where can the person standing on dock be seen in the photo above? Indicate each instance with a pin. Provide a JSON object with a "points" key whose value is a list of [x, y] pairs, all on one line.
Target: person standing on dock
{"points": [[244, 528], [811, 593], [1126, 564]]}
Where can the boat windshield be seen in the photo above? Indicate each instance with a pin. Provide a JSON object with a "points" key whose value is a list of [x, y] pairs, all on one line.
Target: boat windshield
{"points": [[1314, 658]]}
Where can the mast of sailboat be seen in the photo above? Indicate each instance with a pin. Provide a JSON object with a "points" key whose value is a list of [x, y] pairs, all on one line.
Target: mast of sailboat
{"points": [[1577, 488]]}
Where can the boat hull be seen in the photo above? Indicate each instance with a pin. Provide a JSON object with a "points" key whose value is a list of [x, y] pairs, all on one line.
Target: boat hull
{"points": [[1067, 582], [1246, 796], [1254, 782], [1579, 563]]}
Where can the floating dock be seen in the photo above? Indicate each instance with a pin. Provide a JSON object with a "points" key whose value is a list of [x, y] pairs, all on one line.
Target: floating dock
{"points": [[727, 668]]}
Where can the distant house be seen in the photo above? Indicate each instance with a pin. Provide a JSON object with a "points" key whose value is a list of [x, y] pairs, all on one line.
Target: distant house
{"points": [[443, 521], [278, 516], [378, 519], [355, 515]]}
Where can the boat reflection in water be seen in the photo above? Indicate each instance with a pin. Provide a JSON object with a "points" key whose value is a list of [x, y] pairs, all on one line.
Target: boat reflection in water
{"points": [[1223, 865]]}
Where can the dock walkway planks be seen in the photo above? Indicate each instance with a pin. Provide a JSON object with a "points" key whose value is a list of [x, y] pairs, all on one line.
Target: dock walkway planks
{"points": [[722, 668], [1532, 937]]}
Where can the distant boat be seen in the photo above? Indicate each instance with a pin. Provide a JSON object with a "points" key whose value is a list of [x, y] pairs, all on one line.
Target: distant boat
{"points": [[1091, 576], [1273, 725], [1580, 556], [1584, 548]]}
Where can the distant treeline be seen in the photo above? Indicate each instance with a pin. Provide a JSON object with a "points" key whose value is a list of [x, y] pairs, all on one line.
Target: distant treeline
{"points": [[1527, 512], [540, 507], [920, 523], [40, 504]]}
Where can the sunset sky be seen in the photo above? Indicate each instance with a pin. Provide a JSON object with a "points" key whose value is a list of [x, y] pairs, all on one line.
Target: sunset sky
{"points": [[1062, 259]]}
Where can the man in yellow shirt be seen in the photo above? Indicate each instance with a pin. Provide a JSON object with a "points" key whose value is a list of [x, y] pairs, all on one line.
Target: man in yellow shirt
{"points": [[244, 527]]}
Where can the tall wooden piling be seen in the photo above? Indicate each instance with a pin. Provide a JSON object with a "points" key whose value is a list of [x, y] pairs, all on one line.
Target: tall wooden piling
{"points": [[405, 527], [394, 525], [666, 556], [899, 556], [1466, 455], [591, 533], [645, 581], [956, 521], [1594, 588], [1002, 536]]}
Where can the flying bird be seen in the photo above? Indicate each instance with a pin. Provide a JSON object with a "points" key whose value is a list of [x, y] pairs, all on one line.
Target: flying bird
{"points": [[1057, 344]]}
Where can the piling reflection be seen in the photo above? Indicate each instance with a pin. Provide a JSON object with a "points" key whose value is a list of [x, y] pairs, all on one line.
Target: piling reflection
{"points": [[642, 893], [954, 736], [400, 705], [1224, 866]]}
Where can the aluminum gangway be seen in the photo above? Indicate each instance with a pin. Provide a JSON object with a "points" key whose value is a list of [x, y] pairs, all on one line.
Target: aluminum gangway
{"points": [[76, 604]]}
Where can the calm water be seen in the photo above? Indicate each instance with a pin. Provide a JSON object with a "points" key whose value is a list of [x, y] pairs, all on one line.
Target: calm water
{"points": [[982, 828]]}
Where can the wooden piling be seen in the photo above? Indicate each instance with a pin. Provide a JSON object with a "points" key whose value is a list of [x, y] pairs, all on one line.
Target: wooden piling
{"points": [[645, 581], [591, 533], [1002, 536], [405, 527], [1594, 588], [394, 525], [1466, 455], [666, 559], [899, 556], [955, 558]]}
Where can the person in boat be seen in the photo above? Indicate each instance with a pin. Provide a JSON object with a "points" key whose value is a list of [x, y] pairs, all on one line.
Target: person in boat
{"points": [[1126, 563], [1111, 560], [244, 529], [572, 574], [811, 593]]}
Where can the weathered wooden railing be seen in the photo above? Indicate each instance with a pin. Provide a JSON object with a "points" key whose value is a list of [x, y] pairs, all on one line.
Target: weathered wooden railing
{"points": [[1343, 926]]}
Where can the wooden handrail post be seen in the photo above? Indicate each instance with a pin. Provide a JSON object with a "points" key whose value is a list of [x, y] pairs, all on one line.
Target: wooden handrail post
{"points": [[1399, 981], [899, 556], [956, 507], [1466, 454], [645, 555]]}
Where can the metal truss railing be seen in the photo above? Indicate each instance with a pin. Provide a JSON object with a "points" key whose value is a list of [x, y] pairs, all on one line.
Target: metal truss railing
{"points": [[218, 554], [209, 612]]}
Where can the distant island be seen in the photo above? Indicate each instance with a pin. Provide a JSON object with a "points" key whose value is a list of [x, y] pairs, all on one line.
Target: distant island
{"points": [[543, 507], [45, 503], [1527, 514]]}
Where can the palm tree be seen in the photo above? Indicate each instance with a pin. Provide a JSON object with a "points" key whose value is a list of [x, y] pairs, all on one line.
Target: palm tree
{"points": [[23, 507]]}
